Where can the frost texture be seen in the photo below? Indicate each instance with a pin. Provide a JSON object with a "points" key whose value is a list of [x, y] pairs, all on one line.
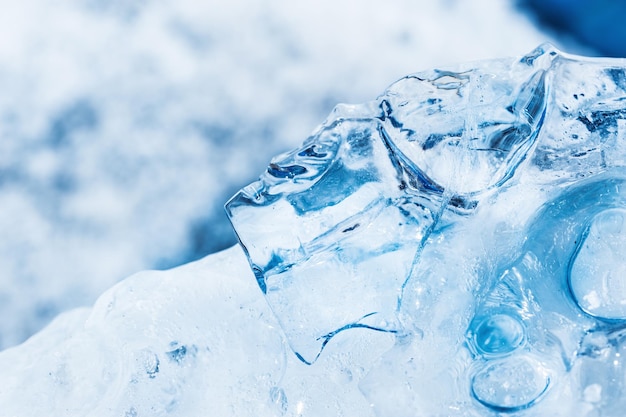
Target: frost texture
{"points": [[478, 215]]}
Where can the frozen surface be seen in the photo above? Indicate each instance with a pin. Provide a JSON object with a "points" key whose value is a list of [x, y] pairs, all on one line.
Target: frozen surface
{"points": [[452, 248], [126, 124], [198, 340], [475, 213]]}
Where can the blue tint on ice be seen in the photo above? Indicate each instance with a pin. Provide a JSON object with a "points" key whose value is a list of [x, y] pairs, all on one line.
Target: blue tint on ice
{"points": [[370, 184], [477, 214]]}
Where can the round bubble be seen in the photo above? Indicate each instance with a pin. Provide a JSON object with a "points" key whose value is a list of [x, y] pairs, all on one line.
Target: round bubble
{"points": [[510, 384], [499, 334], [597, 274]]}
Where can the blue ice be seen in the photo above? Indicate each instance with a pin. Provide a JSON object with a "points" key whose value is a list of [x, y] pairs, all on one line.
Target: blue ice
{"points": [[477, 214]]}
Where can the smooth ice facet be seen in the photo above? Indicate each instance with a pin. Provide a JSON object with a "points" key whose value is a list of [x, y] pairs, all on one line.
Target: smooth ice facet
{"points": [[346, 236]]}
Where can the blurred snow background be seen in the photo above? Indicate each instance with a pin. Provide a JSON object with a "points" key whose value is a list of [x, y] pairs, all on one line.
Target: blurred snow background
{"points": [[126, 124]]}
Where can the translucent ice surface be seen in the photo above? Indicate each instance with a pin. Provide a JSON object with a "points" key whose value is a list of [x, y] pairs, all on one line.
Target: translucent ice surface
{"points": [[478, 215], [342, 218], [454, 248]]}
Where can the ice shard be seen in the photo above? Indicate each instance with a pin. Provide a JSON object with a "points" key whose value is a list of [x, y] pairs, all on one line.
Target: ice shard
{"points": [[342, 219], [476, 213]]}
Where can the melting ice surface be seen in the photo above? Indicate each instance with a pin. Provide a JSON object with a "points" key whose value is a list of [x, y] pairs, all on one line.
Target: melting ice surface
{"points": [[454, 248]]}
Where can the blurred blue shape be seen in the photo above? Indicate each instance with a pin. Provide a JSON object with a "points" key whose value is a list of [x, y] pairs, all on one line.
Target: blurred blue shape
{"points": [[595, 23]]}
